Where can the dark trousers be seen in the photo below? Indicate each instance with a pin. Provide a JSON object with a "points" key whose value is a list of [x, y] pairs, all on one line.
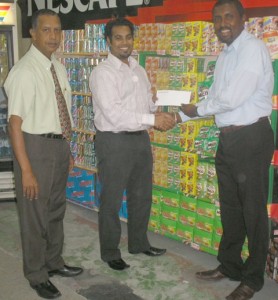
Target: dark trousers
{"points": [[242, 164], [124, 162], [41, 220]]}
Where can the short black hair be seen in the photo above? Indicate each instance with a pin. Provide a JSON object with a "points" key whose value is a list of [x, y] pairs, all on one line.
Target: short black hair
{"points": [[42, 12], [236, 3], [117, 22]]}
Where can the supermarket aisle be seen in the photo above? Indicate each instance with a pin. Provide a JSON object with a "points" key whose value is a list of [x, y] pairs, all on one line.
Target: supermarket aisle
{"points": [[169, 277]]}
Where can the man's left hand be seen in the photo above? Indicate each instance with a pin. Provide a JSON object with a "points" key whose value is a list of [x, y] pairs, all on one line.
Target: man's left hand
{"points": [[190, 110]]}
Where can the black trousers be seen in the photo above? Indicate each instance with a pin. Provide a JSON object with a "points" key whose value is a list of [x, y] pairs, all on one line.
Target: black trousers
{"points": [[41, 220], [242, 164], [124, 162]]}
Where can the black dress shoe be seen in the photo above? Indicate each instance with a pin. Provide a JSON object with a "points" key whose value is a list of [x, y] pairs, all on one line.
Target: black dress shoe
{"points": [[66, 271], [118, 264], [213, 275], [46, 290], [154, 251], [242, 292]]}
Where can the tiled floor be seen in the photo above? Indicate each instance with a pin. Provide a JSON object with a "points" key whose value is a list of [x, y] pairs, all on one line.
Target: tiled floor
{"points": [[169, 277]]}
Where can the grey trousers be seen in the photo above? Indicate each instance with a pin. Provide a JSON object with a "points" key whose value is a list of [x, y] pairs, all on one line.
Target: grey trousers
{"points": [[124, 162], [41, 220]]}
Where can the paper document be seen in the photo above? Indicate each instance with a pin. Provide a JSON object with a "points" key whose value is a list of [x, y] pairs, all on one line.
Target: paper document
{"points": [[172, 98]]}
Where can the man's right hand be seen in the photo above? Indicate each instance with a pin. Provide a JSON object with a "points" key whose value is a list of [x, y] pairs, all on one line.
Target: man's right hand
{"points": [[164, 121], [30, 185]]}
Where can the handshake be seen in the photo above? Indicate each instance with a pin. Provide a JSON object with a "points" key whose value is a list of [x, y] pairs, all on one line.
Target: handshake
{"points": [[164, 121]]}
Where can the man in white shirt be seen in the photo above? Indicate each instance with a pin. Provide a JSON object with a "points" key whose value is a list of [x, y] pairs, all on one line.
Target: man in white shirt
{"points": [[124, 110], [241, 100], [42, 157]]}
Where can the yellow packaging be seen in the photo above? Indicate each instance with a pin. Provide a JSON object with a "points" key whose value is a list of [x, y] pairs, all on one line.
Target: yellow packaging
{"points": [[187, 44], [148, 30], [155, 29], [190, 174], [154, 43], [190, 188], [185, 81], [167, 45], [188, 29], [189, 144], [192, 65], [168, 30], [163, 181], [148, 43], [196, 44], [192, 160], [142, 30], [194, 96], [160, 42], [207, 31], [142, 42], [197, 28]]}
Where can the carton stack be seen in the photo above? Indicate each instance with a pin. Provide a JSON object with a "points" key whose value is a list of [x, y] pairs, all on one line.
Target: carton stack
{"points": [[81, 187], [270, 34], [272, 257]]}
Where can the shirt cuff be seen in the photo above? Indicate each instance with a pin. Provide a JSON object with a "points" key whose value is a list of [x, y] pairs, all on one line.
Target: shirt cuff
{"points": [[184, 117], [200, 111], [148, 119]]}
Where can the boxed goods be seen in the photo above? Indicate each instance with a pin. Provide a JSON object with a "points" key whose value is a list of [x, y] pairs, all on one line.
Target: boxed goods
{"points": [[201, 237], [206, 209], [188, 203], [169, 212], [154, 223], [218, 226], [204, 223], [187, 217], [185, 232], [81, 187], [170, 199], [168, 227]]}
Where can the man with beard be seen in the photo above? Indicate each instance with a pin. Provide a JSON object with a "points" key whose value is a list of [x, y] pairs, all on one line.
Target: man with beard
{"points": [[241, 101], [124, 109]]}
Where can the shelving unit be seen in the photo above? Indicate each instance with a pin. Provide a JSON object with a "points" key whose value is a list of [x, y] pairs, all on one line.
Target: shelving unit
{"points": [[180, 210], [7, 186]]}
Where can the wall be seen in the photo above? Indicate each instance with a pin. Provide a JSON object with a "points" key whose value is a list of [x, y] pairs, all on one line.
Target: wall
{"points": [[196, 10]]}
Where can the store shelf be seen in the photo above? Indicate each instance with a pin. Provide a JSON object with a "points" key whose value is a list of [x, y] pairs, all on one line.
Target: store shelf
{"points": [[82, 54], [5, 195]]}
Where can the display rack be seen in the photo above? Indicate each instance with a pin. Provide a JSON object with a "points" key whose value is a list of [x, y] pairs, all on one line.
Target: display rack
{"points": [[181, 210]]}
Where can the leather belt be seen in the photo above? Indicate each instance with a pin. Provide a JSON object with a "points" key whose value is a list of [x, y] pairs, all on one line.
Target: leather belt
{"points": [[139, 132], [53, 136], [133, 132], [233, 128]]}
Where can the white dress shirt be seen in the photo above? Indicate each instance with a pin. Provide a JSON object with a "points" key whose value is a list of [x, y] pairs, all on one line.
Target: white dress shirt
{"points": [[31, 92], [122, 97], [243, 84]]}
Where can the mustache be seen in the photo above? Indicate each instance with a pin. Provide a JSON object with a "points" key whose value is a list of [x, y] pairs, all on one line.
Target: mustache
{"points": [[224, 28]]}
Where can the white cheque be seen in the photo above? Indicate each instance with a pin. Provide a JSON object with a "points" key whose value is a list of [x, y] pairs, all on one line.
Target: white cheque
{"points": [[172, 98]]}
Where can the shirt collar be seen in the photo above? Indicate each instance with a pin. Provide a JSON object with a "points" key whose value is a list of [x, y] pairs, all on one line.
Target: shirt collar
{"points": [[119, 64], [235, 44], [41, 57]]}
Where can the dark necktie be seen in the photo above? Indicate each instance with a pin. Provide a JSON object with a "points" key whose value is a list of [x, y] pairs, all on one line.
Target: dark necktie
{"points": [[62, 107]]}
